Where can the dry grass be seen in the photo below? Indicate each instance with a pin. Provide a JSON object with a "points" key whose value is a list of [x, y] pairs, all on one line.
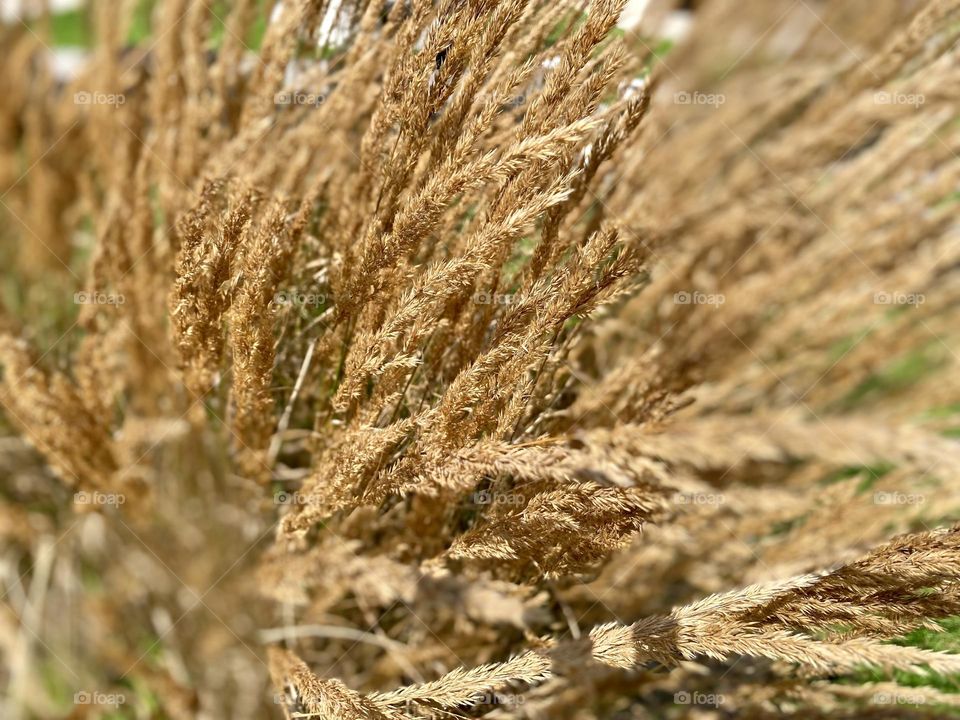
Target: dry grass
{"points": [[468, 358]]}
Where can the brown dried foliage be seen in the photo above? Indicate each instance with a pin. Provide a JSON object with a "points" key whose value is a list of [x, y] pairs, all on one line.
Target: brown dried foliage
{"points": [[468, 357]]}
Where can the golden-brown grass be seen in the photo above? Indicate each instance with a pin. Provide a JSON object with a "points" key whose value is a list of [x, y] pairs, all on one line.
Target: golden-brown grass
{"points": [[469, 358]]}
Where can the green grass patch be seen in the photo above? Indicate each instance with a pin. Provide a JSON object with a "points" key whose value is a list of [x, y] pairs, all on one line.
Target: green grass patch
{"points": [[948, 640], [74, 28], [896, 376], [70, 29], [869, 475]]}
